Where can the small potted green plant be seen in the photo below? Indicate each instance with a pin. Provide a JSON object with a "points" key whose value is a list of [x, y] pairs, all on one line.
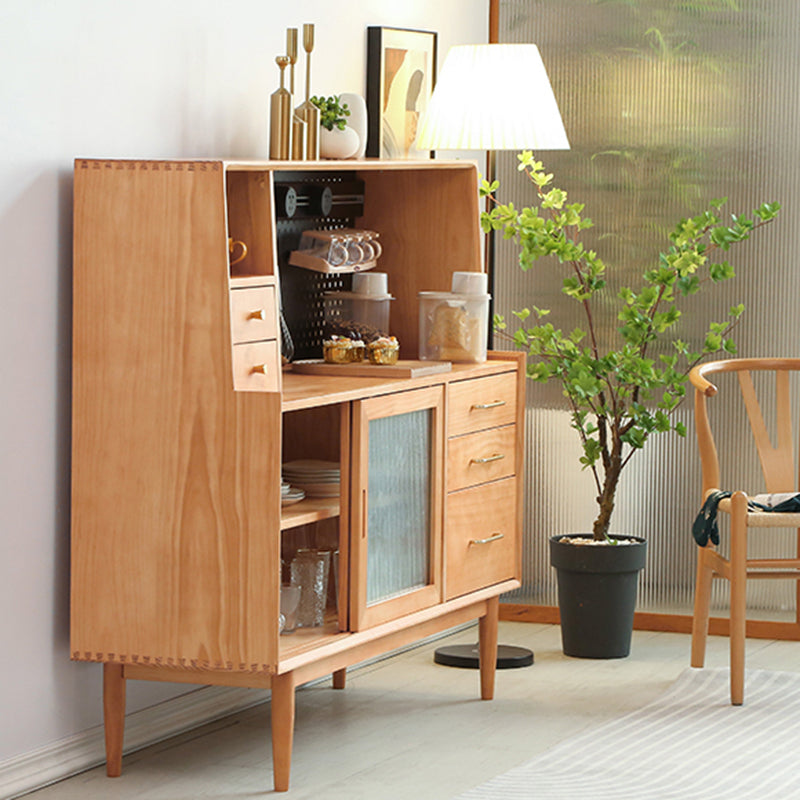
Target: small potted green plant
{"points": [[619, 394], [336, 140]]}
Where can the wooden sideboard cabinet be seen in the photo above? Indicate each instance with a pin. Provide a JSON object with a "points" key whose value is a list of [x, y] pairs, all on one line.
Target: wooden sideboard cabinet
{"points": [[183, 415]]}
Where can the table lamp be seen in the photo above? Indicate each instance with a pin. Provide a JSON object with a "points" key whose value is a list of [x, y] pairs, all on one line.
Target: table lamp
{"points": [[491, 97]]}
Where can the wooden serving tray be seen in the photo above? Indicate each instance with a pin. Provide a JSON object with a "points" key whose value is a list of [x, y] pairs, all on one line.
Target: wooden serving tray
{"points": [[404, 368]]}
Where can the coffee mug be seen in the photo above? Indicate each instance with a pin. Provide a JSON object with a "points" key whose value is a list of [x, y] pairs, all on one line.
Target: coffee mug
{"points": [[232, 245]]}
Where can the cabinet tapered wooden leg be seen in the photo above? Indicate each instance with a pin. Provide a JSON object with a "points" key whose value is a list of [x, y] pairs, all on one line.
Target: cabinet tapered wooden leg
{"points": [[487, 647], [113, 717], [339, 678], [282, 729]]}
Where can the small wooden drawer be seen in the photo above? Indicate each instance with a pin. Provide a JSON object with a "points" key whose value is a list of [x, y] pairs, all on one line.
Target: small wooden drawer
{"points": [[254, 314], [481, 545], [482, 403], [480, 457], [257, 367]]}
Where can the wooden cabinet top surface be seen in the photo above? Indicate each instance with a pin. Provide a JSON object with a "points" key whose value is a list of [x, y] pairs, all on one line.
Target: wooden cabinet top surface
{"points": [[306, 391], [257, 165]]}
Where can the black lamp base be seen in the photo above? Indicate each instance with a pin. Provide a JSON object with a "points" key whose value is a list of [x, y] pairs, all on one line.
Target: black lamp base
{"points": [[466, 656]]}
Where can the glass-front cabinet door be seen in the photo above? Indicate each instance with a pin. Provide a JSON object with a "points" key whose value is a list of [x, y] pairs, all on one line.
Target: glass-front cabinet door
{"points": [[396, 505]]}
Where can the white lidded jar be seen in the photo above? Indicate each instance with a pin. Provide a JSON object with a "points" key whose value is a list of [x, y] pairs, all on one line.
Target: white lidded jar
{"points": [[470, 283]]}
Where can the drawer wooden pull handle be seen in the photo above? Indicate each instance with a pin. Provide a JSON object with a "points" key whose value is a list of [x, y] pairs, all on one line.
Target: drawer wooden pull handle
{"points": [[495, 404], [260, 314], [260, 368], [488, 539], [487, 459]]}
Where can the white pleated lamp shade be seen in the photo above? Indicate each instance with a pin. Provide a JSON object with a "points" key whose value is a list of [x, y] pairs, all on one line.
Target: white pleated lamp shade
{"points": [[493, 97]]}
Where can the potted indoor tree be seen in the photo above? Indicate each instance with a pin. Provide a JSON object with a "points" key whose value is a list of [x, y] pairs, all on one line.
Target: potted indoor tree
{"points": [[619, 393], [336, 138]]}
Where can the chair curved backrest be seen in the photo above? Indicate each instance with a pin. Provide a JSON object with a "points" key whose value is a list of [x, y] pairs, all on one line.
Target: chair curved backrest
{"points": [[778, 467], [777, 459]]}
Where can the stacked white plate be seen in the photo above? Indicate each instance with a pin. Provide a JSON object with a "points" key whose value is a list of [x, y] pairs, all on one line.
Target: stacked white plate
{"points": [[315, 477]]}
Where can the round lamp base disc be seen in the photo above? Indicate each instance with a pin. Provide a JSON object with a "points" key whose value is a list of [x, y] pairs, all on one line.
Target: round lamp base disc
{"points": [[466, 656]]}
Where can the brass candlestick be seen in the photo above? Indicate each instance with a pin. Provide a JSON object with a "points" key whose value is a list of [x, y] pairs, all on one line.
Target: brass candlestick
{"points": [[298, 123], [280, 117], [308, 46], [307, 110], [291, 53], [299, 138]]}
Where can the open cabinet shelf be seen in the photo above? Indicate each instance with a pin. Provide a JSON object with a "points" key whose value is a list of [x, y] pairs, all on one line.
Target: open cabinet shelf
{"points": [[308, 511]]}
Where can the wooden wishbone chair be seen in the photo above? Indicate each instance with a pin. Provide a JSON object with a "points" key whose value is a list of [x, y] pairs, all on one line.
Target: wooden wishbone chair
{"points": [[780, 475]]}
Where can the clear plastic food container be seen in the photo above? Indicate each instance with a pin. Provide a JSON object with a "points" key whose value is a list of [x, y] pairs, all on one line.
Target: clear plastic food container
{"points": [[453, 327], [360, 314]]}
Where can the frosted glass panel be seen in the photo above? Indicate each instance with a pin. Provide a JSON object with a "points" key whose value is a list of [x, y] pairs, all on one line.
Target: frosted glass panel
{"points": [[398, 519], [667, 105]]}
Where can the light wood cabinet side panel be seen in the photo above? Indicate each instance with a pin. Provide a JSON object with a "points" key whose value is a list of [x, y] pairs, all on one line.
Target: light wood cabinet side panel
{"points": [[257, 483], [170, 512], [428, 220]]}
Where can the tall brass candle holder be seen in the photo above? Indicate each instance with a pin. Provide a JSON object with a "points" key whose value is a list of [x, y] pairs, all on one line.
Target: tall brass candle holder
{"points": [[307, 110], [280, 117], [299, 126], [291, 52]]}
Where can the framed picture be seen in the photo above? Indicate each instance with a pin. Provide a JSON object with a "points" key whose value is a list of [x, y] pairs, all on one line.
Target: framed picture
{"points": [[401, 71]]}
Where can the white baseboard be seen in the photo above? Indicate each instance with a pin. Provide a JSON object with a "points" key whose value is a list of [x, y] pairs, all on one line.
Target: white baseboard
{"points": [[86, 749]]}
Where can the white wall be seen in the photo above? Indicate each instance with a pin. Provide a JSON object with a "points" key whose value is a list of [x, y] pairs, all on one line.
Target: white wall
{"points": [[113, 78]]}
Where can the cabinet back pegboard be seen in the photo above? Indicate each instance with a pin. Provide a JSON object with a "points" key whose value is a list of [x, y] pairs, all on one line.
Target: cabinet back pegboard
{"points": [[311, 201]]}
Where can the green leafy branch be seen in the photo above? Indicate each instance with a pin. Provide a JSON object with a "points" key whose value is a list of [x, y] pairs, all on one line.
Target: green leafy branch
{"points": [[620, 396]]}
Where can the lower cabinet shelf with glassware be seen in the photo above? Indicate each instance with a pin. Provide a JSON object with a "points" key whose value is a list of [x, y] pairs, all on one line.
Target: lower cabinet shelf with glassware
{"points": [[402, 515]]}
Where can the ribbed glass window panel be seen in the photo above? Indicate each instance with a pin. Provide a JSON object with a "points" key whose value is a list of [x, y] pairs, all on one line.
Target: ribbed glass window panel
{"points": [[398, 498], [667, 105]]}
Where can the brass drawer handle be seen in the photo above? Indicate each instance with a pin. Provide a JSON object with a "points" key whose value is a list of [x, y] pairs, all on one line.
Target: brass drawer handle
{"points": [[493, 538], [487, 459], [495, 404], [260, 314], [259, 368]]}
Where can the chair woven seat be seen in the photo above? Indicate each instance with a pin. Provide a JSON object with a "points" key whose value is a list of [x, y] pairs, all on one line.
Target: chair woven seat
{"points": [[764, 519]]}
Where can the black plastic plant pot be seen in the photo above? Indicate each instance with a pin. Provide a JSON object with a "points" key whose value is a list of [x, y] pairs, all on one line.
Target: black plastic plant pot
{"points": [[597, 594]]}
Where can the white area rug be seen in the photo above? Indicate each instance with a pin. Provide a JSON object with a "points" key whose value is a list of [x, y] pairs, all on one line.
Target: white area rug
{"points": [[689, 744]]}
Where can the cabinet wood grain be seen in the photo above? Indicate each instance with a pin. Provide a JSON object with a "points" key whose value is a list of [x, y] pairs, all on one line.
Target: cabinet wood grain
{"points": [[183, 417], [482, 403], [170, 518], [480, 457], [481, 546]]}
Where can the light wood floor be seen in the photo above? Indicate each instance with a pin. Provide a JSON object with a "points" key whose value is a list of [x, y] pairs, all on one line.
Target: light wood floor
{"points": [[408, 729]]}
